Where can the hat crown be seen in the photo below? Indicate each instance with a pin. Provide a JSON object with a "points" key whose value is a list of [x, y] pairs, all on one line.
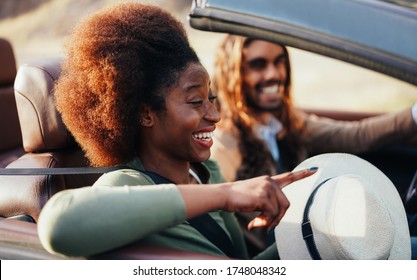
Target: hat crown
{"points": [[350, 221]]}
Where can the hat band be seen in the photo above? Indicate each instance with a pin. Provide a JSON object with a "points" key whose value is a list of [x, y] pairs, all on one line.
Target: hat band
{"points": [[306, 226]]}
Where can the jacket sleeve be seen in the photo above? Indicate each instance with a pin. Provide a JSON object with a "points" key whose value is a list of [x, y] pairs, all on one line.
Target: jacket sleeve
{"points": [[326, 135], [112, 213]]}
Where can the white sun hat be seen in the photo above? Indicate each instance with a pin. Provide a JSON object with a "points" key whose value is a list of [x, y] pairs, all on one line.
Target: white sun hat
{"points": [[347, 210]]}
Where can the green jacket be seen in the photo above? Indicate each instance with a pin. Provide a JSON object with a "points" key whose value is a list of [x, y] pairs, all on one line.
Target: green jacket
{"points": [[126, 206]]}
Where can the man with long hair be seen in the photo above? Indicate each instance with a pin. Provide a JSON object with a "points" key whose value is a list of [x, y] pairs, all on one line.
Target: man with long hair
{"points": [[262, 133]]}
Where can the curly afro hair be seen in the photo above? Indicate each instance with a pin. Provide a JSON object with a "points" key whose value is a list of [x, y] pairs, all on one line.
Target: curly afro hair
{"points": [[117, 60]]}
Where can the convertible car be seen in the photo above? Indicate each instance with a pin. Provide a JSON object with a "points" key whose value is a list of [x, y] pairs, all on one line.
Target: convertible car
{"points": [[375, 35]]}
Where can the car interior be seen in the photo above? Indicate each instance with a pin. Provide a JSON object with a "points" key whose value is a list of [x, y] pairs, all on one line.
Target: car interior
{"points": [[35, 137]]}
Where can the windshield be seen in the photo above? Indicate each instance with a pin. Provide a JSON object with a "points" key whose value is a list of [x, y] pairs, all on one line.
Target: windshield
{"points": [[405, 3]]}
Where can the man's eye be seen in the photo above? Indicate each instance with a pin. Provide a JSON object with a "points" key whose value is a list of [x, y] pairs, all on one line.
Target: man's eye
{"points": [[257, 64], [280, 60]]}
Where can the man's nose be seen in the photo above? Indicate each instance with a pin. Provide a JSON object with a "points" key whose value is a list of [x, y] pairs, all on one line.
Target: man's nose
{"points": [[272, 72]]}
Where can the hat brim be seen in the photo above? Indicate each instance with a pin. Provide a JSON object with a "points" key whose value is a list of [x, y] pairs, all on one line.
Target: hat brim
{"points": [[288, 235]]}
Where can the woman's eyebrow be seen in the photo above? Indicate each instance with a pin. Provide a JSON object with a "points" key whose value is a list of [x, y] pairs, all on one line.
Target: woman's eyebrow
{"points": [[197, 84], [191, 86]]}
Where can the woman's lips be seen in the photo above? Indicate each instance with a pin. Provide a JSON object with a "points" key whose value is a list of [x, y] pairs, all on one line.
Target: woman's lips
{"points": [[204, 137]]}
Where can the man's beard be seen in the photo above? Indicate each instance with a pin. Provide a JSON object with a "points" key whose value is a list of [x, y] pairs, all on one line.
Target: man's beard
{"points": [[254, 105], [254, 101]]}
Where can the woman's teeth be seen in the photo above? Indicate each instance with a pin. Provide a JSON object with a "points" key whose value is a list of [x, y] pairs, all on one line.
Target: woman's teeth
{"points": [[270, 90], [206, 136]]}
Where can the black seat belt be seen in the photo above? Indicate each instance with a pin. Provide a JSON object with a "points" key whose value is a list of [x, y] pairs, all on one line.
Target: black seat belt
{"points": [[59, 170], [205, 224]]}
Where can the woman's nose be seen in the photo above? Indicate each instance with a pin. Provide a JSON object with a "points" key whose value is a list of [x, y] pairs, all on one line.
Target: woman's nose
{"points": [[212, 114]]}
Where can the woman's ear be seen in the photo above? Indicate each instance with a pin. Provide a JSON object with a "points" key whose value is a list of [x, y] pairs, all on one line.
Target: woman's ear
{"points": [[146, 116]]}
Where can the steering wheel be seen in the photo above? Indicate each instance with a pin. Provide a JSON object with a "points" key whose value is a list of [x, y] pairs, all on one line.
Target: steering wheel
{"points": [[410, 202]]}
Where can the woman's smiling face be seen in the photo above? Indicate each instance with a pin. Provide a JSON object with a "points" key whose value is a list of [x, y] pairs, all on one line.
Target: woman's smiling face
{"points": [[184, 131]]}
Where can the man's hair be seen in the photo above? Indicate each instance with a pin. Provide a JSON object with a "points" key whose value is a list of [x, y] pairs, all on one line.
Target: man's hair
{"points": [[118, 60], [228, 84]]}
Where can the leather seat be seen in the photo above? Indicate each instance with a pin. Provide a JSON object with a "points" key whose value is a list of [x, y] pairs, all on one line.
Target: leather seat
{"points": [[11, 138], [46, 142]]}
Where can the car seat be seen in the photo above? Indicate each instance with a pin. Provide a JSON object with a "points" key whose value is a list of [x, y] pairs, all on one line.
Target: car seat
{"points": [[46, 142], [11, 138]]}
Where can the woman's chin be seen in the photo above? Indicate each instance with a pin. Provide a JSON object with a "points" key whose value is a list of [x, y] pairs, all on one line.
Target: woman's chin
{"points": [[202, 157]]}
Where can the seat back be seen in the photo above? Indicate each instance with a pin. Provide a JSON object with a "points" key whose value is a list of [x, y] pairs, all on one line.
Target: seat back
{"points": [[47, 144], [10, 136]]}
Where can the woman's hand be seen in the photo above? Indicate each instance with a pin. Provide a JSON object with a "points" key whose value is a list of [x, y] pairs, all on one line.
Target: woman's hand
{"points": [[263, 194]]}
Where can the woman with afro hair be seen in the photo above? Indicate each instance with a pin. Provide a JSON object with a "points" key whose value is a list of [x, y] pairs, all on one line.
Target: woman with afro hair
{"points": [[133, 94]]}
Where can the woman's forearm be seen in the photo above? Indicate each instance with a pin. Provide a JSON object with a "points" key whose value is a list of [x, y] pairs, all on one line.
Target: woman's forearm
{"points": [[87, 221]]}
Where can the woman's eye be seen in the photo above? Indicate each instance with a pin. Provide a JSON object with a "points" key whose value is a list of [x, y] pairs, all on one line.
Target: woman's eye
{"points": [[196, 103], [212, 98]]}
